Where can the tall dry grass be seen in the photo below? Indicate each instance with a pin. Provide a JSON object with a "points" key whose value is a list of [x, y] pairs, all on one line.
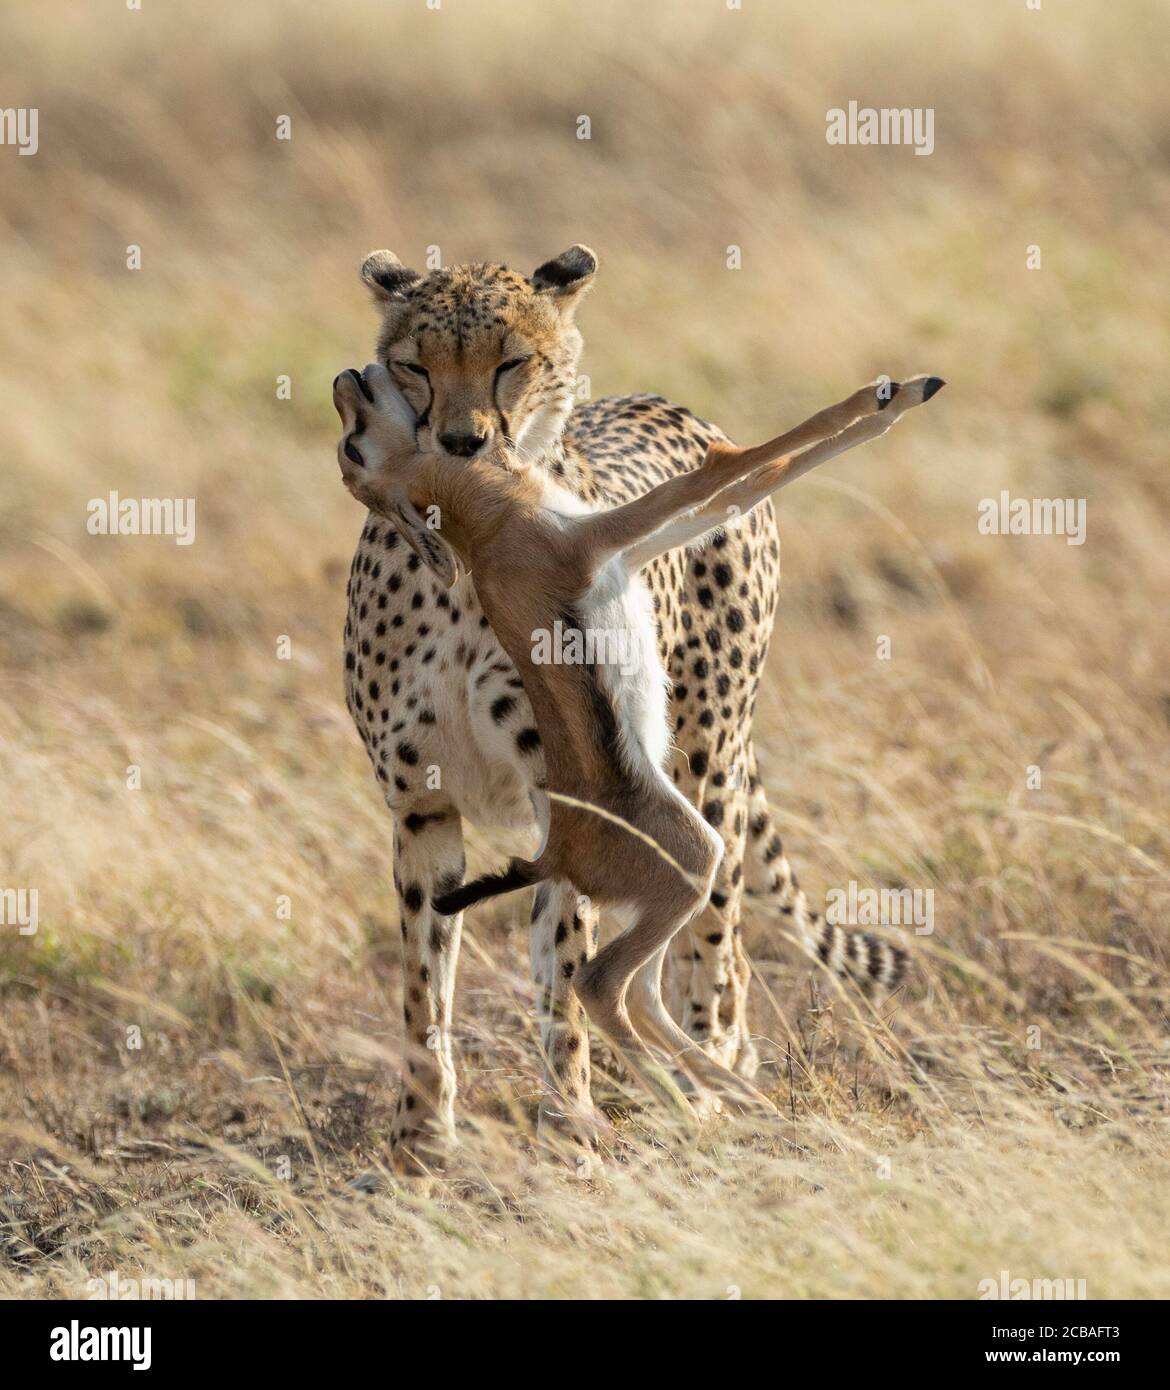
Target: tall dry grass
{"points": [[1010, 1110]]}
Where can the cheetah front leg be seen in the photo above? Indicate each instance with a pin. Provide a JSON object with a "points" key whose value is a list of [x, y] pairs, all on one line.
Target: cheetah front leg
{"points": [[709, 967], [563, 936], [428, 860]]}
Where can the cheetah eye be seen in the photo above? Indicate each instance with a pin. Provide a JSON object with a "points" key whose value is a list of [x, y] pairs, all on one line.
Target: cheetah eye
{"points": [[509, 365], [412, 367]]}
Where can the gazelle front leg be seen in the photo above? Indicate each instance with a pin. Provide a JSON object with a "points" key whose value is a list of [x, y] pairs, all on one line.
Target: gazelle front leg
{"points": [[768, 467], [777, 472], [607, 533]]}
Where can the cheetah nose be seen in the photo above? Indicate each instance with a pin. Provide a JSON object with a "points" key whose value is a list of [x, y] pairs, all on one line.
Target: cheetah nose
{"points": [[462, 445]]}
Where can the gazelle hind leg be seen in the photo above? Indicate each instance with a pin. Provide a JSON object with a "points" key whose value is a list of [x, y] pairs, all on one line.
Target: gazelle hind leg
{"points": [[603, 986], [655, 1025], [612, 1020]]}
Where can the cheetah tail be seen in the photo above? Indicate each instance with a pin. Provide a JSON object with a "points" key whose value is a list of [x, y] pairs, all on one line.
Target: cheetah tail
{"points": [[520, 873], [876, 965]]}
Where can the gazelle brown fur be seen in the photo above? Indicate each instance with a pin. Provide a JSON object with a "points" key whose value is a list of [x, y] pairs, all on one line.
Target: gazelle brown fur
{"points": [[614, 824]]}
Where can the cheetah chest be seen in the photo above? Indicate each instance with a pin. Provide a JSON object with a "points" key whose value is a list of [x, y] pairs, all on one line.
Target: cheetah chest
{"points": [[438, 704]]}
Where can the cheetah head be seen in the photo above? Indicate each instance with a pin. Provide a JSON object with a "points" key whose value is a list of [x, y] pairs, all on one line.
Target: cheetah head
{"points": [[482, 353]]}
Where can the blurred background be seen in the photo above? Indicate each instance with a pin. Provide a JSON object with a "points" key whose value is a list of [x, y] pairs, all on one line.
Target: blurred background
{"points": [[456, 128]]}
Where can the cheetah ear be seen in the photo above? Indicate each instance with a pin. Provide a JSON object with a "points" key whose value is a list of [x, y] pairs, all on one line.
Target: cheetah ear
{"points": [[430, 548], [387, 277], [567, 276]]}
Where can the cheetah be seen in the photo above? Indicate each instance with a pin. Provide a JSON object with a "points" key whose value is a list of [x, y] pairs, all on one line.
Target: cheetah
{"points": [[482, 353], [612, 823]]}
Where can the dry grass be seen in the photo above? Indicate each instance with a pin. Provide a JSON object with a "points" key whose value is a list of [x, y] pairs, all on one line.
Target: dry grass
{"points": [[265, 1037]]}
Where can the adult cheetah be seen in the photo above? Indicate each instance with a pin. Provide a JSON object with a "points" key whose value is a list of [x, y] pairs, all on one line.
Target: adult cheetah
{"points": [[482, 352]]}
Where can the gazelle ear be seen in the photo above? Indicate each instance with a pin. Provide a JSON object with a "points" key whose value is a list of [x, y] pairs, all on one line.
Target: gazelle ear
{"points": [[387, 277], [430, 547], [566, 277]]}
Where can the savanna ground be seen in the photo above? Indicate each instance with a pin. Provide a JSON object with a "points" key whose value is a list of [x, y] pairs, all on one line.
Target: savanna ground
{"points": [[1008, 1110]]}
